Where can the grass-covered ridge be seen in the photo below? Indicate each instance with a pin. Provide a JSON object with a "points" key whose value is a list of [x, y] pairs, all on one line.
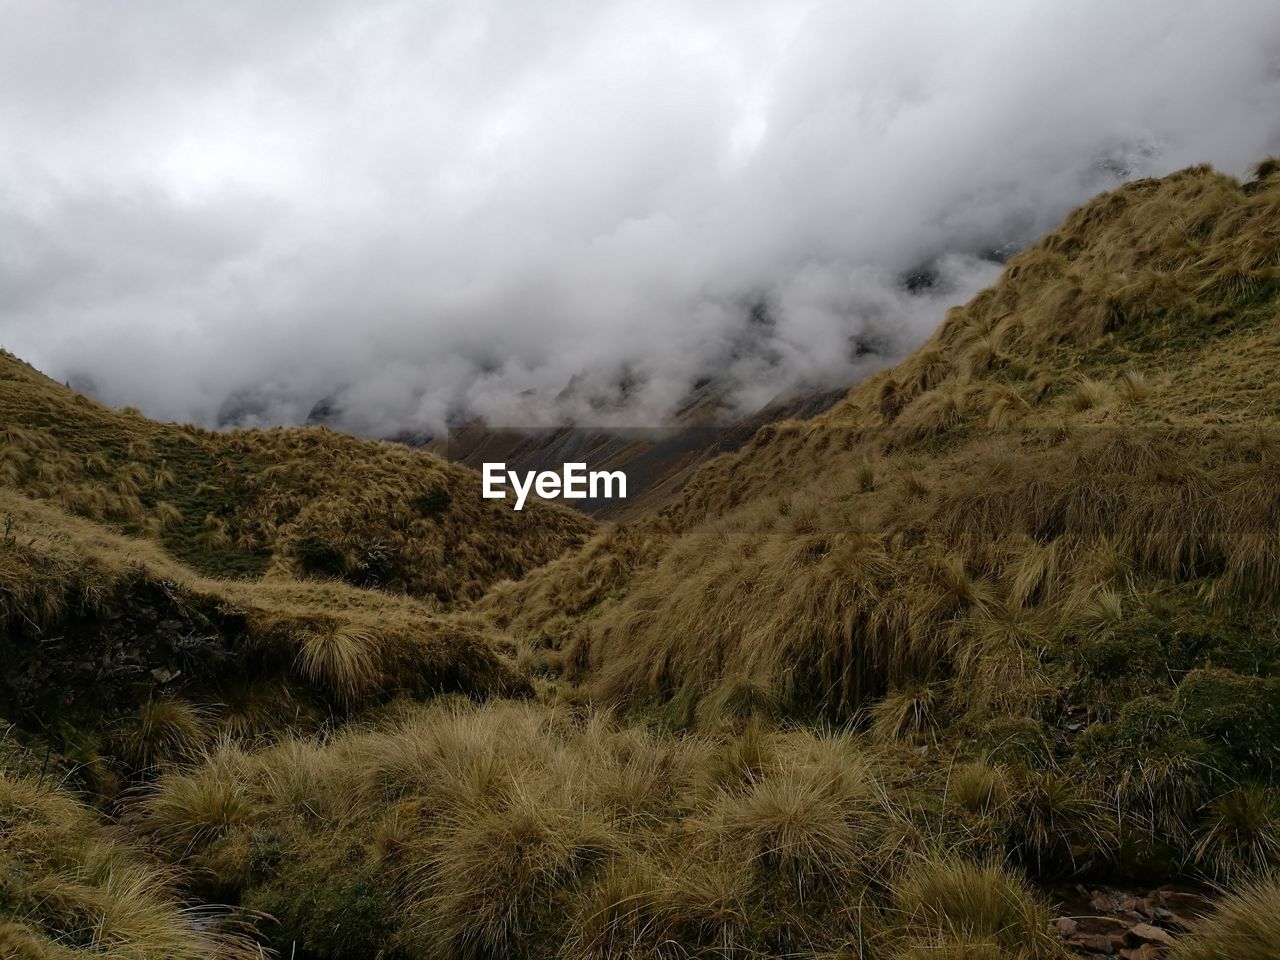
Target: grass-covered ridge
{"points": [[298, 501], [96, 622], [1033, 477], [1050, 536], [875, 686]]}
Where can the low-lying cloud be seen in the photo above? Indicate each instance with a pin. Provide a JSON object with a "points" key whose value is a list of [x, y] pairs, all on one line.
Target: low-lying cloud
{"points": [[408, 212]]}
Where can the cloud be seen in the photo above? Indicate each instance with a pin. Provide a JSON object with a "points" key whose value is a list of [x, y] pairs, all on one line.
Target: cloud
{"points": [[413, 211]]}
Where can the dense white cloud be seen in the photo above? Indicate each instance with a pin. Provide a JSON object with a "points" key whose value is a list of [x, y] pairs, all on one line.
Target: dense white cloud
{"points": [[417, 208]]}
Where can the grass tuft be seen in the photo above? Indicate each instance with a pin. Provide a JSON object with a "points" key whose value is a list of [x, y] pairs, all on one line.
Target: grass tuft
{"points": [[1245, 926], [956, 905], [1241, 838], [166, 731]]}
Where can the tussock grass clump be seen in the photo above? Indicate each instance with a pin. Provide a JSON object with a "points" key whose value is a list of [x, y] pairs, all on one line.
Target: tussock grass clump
{"points": [[905, 713], [932, 413], [961, 908], [165, 731], [801, 827], [1241, 837], [738, 699], [655, 909], [68, 889], [1134, 386], [1059, 825], [978, 787], [264, 710], [1267, 168], [1087, 395], [744, 758], [1245, 926], [865, 478], [489, 880], [189, 810], [299, 777], [342, 657]]}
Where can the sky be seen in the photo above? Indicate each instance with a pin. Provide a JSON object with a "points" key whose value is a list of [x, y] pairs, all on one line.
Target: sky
{"points": [[406, 213]]}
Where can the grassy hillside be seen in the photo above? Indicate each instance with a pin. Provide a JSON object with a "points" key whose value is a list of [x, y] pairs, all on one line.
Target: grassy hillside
{"points": [[300, 501], [1049, 538], [886, 683], [1089, 442], [165, 589], [97, 621]]}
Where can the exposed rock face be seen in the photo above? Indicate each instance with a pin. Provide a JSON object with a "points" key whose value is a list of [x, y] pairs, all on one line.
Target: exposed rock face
{"points": [[149, 638]]}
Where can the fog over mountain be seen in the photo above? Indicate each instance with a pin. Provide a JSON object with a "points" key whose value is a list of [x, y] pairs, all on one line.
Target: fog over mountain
{"points": [[409, 212]]}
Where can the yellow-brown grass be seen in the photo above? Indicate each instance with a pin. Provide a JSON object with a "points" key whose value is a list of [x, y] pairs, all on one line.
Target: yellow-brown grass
{"points": [[1098, 425], [1246, 926], [69, 890], [545, 831], [350, 645], [1071, 488], [307, 501]]}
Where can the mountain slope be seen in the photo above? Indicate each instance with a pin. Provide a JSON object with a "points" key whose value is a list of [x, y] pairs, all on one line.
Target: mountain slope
{"points": [[884, 683], [1100, 420], [1050, 537], [95, 626], [657, 462], [303, 501]]}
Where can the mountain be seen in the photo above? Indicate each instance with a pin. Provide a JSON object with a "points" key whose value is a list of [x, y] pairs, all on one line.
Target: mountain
{"points": [[1097, 425], [658, 462], [900, 677], [282, 502]]}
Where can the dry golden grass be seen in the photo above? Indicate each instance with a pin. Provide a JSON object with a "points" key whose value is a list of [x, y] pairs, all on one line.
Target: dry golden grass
{"points": [[1242, 837], [199, 807], [348, 645], [955, 519], [515, 827], [519, 828], [303, 501], [1246, 926], [1028, 575], [978, 787], [69, 890], [166, 730], [958, 908]]}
